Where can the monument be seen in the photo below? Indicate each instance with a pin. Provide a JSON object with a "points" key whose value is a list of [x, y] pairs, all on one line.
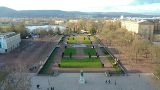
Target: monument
{"points": [[81, 80]]}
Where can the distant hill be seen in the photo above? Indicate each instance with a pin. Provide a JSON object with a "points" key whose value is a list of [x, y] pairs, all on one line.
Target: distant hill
{"points": [[7, 12]]}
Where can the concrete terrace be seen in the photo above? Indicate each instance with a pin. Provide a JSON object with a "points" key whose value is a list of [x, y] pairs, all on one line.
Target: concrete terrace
{"points": [[95, 81]]}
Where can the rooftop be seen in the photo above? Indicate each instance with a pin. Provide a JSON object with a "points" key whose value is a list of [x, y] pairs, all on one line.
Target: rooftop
{"points": [[8, 34]]}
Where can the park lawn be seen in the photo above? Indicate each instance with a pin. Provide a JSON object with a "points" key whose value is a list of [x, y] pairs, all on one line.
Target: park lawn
{"points": [[72, 40], [90, 51], [48, 63], [86, 41], [80, 63], [83, 39], [67, 51]]}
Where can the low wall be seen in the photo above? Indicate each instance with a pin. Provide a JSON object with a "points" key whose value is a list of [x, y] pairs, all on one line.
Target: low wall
{"points": [[45, 61]]}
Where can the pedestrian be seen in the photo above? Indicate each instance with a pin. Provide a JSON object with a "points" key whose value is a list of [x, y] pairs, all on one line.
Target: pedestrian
{"points": [[52, 88], [38, 86], [115, 82], [109, 81], [106, 81]]}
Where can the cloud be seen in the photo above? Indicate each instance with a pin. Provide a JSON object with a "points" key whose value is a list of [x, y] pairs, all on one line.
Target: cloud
{"points": [[84, 5], [142, 2], [68, 5], [138, 8]]}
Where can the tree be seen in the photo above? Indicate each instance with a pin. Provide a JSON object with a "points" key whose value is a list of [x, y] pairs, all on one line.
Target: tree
{"points": [[17, 78], [92, 31], [57, 29], [50, 31], [11, 28], [20, 28], [0, 29]]}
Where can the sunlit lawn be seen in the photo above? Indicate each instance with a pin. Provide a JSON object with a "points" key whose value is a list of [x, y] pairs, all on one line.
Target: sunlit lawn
{"points": [[80, 63], [67, 51], [75, 39], [90, 51], [72, 40]]}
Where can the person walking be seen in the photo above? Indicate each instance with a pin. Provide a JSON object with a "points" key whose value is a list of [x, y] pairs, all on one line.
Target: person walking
{"points": [[115, 82], [109, 81], [106, 81], [38, 86]]}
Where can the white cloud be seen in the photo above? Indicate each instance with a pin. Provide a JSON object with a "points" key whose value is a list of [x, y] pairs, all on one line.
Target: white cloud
{"points": [[68, 5], [138, 8], [80, 5]]}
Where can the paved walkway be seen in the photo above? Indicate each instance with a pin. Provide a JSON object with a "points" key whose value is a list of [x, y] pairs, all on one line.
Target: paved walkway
{"points": [[95, 81]]}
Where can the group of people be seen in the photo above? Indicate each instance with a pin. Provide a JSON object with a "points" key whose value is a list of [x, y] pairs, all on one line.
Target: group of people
{"points": [[52, 88], [109, 81], [38, 87]]}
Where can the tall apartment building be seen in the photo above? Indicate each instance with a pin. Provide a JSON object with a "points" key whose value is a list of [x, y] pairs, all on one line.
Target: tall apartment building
{"points": [[9, 41]]}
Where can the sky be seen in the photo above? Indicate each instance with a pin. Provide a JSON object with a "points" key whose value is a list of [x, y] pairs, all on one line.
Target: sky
{"points": [[85, 5]]}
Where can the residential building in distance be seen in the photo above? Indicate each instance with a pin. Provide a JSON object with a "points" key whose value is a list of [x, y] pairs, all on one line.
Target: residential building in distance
{"points": [[59, 21], [143, 27], [9, 41], [73, 21], [156, 30]]}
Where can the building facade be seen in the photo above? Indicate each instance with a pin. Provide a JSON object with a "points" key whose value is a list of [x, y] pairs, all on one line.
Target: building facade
{"points": [[143, 28], [9, 41]]}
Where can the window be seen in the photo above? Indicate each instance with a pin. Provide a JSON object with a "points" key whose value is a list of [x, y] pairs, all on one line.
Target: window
{"points": [[0, 45], [5, 50]]}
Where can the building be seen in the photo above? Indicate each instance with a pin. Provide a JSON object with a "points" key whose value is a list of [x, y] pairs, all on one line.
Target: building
{"points": [[73, 21], [59, 22], [156, 32], [143, 28], [9, 41]]}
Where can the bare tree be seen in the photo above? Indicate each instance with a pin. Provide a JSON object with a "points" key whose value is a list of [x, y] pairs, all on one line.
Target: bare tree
{"points": [[17, 79]]}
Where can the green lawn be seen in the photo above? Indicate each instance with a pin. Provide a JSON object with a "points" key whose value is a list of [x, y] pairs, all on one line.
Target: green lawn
{"points": [[72, 40], [92, 51], [80, 63], [67, 51], [75, 39], [86, 41], [3, 75], [48, 63]]}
